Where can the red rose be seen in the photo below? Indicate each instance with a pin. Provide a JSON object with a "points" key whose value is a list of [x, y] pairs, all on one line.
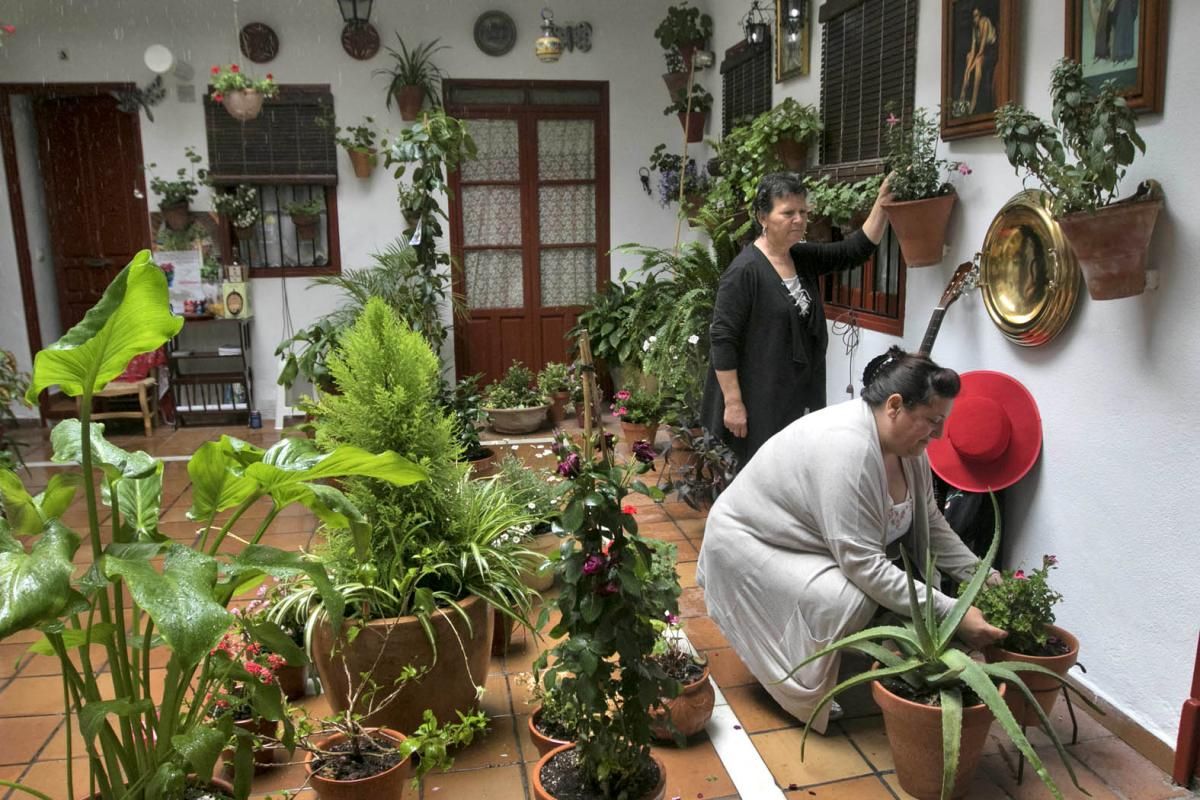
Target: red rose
{"points": [[270, 77], [234, 68], [1019, 574]]}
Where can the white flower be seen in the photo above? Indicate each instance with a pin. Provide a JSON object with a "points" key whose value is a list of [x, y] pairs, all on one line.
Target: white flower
{"points": [[531, 506], [646, 346], [693, 339], [516, 447]]}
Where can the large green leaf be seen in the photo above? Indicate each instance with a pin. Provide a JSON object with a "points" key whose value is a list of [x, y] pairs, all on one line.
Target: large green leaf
{"points": [[179, 600], [293, 461], [966, 599], [93, 714], [289, 564], [202, 744], [72, 638], [218, 481], [132, 317], [952, 719], [272, 637], [139, 501], [330, 505], [67, 439], [35, 587], [29, 514]]}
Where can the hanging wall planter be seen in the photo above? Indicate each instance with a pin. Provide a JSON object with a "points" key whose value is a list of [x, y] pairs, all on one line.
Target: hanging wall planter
{"points": [[306, 226], [363, 162], [1112, 243], [793, 154], [921, 227], [177, 216], [409, 99], [676, 85], [693, 124]]}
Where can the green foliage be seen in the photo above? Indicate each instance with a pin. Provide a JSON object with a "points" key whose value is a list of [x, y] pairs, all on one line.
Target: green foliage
{"points": [[683, 26], [788, 120], [516, 389], [536, 489], [926, 659], [240, 205], [432, 743], [311, 207], [225, 79], [361, 138], [701, 102], [414, 67], [638, 406], [186, 185], [553, 378], [1022, 604], [465, 403], [841, 200], [1094, 129], [911, 155], [712, 466], [13, 383], [610, 604]]}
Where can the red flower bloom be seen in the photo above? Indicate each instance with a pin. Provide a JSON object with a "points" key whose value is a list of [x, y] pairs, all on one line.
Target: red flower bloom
{"points": [[218, 97], [215, 69], [234, 68], [270, 77], [8, 28], [1019, 574], [628, 509]]}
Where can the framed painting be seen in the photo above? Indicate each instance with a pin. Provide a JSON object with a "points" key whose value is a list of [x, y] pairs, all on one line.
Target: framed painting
{"points": [[979, 64], [1121, 40], [791, 38]]}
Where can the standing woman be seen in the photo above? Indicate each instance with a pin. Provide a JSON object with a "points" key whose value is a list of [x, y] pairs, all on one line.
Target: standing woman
{"points": [[768, 329]]}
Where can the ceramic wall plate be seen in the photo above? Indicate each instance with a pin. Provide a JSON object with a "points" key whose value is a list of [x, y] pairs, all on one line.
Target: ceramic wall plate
{"points": [[1027, 272], [495, 33]]}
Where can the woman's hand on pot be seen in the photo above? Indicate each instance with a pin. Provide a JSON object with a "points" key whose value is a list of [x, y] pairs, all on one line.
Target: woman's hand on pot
{"points": [[977, 632], [885, 190], [735, 419]]}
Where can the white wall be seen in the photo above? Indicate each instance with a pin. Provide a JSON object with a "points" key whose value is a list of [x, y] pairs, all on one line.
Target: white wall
{"points": [[105, 42], [1113, 491]]}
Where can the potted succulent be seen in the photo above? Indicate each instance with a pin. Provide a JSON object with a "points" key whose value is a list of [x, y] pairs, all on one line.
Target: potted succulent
{"points": [[414, 77], [305, 216], [639, 411], [1023, 604], [465, 405], [175, 196], [603, 670], [938, 703], [552, 382], [692, 112], [241, 95], [513, 404], [13, 384], [240, 206], [839, 204], [147, 597], [1080, 160], [684, 30], [359, 142], [789, 127]]}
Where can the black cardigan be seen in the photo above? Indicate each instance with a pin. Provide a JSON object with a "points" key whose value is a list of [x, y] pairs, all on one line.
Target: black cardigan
{"points": [[779, 355]]}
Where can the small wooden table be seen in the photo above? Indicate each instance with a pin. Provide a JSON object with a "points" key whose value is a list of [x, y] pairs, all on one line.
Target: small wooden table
{"points": [[147, 401]]}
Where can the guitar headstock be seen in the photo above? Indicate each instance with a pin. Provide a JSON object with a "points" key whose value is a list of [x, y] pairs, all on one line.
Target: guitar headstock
{"points": [[965, 278]]}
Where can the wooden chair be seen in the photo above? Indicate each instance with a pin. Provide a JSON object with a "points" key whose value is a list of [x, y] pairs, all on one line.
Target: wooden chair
{"points": [[147, 395]]}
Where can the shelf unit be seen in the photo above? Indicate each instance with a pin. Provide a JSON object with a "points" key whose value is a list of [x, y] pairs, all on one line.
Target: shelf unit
{"points": [[206, 383]]}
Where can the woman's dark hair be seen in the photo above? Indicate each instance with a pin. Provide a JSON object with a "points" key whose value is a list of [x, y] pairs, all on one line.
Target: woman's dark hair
{"points": [[917, 379], [774, 186]]}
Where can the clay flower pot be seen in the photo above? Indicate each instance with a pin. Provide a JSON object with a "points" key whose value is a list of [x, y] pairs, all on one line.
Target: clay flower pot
{"points": [[363, 162], [921, 227], [517, 420], [388, 784], [177, 216], [225, 787], [676, 85], [409, 100], [539, 790], [291, 680], [306, 226], [264, 757], [690, 711], [541, 741], [558, 407], [243, 104], [1111, 245], [632, 432], [535, 577], [820, 229], [1044, 688], [484, 466], [693, 125], [793, 154]]}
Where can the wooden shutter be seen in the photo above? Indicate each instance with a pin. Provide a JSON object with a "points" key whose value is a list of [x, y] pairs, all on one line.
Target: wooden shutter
{"points": [[283, 145], [746, 83], [868, 60]]}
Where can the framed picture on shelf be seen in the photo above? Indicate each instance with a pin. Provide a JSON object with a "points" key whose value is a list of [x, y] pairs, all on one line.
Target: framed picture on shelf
{"points": [[791, 38], [979, 64], [1121, 40]]}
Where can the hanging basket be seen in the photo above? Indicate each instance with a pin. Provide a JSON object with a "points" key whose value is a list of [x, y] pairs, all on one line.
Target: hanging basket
{"points": [[306, 226], [921, 227], [243, 104], [676, 85], [363, 162], [693, 124], [1111, 245], [409, 100]]}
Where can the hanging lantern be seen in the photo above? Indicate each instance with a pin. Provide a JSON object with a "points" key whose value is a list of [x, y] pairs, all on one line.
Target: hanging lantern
{"points": [[794, 22], [756, 25], [548, 46]]}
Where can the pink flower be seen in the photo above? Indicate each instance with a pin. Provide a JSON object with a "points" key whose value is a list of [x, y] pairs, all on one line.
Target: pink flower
{"points": [[1019, 574], [622, 411], [1049, 561], [593, 564], [628, 509], [234, 68], [963, 169], [8, 28], [671, 618], [215, 69], [623, 395], [892, 120], [276, 662]]}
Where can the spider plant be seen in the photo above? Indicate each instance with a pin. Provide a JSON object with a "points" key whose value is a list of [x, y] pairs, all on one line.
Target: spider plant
{"points": [[414, 67]]}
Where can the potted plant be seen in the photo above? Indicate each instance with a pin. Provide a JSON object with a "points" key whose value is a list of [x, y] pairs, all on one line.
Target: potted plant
{"points": [[465, 404], [414, 77], [240, 206], [602, 669], [552, 382], [540, 492], [245, 668], [512, 403], [147, 597], [692, 111], [639, 411], [13, 384], [241, 95], [838, 204], [789, 127], [174, 196], [671, 171], [1080, 160], [688, 712], [288, 663], [921, 198], [1023, 604], [676, 77], [305, 216], [359, 143], [938, 703], [552, 721], [684, 30], [706, 471]]}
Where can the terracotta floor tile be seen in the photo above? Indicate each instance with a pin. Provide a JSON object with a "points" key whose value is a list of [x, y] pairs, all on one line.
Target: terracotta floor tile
{"points": [[691, 603], [496, 701], [56, 748], [1002, 770], [664, 531], [521, 692], [693, 528], [867, 788], [529, 752], [31, 696], [756, 710], [1123, 769], [503, 783], [685, 551], [687, 574], [982, 788], [704, 634], [680, 511], [1090, 728], [727, 669], [826, 758], [868, 734], [497, 748], [50, 777], [22, 737], [695, 770]]}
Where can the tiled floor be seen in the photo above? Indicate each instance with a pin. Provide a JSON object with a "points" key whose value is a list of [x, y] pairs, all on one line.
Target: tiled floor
{"points": [[852, 762]]}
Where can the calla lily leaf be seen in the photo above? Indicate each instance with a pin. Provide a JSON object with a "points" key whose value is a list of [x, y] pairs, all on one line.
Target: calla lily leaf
{"points": [[217, 481], [35, 586], [67, 440]]}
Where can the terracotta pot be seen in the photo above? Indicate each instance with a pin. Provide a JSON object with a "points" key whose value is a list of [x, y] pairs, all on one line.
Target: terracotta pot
{"points": [[219, 785], [541, 741], [914, 732], [690, 711], [243, 104], [558, 407], [447, 686], [631, 433], [539, 791], [264, 757], [485, 466], [306, 226], [517, 420], [676, 85], [921, 228], [502, 631], [693, 125], [686, 51], [1111, 245], [363, 162], [409, 100], [292, 680], [177, 216], [387, 785], [820, 229], [1044, 688], [793, 154], [536, 578]]}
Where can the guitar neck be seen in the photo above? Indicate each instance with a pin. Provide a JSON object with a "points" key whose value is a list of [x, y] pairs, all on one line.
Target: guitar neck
{"points": [[931, 332]]}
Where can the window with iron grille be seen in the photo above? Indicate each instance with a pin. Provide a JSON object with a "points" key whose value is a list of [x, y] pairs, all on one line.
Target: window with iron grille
{"points": [[868, 63], [746, 82], [289, 158]]}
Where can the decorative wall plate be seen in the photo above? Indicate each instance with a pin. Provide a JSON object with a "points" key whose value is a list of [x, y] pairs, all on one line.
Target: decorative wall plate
{"points": [[259, 43], [495, 33], [1027, 271], [360, 40]]}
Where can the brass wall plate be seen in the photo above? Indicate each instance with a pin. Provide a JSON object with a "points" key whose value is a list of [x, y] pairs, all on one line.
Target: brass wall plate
{"points": [[1027, 272]]}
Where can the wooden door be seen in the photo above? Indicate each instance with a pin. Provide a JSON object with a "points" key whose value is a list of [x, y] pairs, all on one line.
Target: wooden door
{"points": [[91, 156], [529, 220]]}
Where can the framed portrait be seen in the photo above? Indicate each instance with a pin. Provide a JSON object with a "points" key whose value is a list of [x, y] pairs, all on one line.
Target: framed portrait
{"points": [[791, 38], [979, 64], [1121, 40]]}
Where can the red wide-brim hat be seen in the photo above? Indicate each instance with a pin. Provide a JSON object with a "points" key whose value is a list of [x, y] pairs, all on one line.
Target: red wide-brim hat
{"points": [[992, 437]]}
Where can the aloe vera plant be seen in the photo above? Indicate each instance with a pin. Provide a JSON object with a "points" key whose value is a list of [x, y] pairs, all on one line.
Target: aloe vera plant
{"points": [[928, 661]]}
